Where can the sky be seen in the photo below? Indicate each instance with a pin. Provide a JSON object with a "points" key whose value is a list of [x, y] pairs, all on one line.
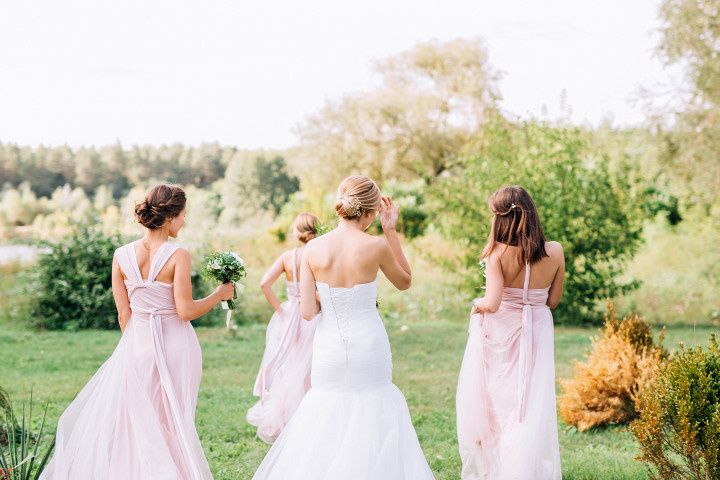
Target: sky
{"points": [[246, 73]]}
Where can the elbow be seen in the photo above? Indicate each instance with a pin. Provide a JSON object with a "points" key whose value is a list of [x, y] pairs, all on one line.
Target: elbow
{"points": [[185, 315], [308, 311], [265, 285], [405, 284], [492, 307]]}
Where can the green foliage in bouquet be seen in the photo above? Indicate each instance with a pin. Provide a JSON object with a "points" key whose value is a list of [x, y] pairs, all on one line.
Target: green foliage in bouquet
{"points": [[679, 424], [225, 267], [73, 282]]}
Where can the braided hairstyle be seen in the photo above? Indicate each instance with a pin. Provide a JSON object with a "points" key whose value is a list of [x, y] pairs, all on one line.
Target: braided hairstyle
{"points": [[162, 203], [357, 195], [516, 222]]}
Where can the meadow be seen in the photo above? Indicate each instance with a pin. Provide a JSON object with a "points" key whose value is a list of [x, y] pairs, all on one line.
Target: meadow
{"points": [[427, 327]]}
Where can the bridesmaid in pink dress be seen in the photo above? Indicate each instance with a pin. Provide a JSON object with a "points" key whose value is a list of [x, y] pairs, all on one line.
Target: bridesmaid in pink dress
{"points": [[506, 418], [284, 375], [135, 418]]}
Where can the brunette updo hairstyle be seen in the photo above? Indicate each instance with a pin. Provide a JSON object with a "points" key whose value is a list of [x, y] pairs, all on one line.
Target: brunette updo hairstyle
{"points": [[163, 202], [357, 195], [516, 222], [305, 226]]}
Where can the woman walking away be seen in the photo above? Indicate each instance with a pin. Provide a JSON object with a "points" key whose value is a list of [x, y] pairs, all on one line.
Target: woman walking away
{"points": [[506, 420]]}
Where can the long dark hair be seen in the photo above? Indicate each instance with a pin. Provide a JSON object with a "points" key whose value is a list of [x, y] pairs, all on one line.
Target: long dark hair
{"points": [[516, 222]]}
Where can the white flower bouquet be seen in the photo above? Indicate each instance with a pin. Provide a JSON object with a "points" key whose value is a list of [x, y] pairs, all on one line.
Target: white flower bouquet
{"points": [[225, 267]]}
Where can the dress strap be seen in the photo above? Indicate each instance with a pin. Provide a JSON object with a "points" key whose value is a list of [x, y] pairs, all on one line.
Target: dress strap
{"points": [[161, 257], [526, 282], [525, 360], [294, 268], [128, 264]]}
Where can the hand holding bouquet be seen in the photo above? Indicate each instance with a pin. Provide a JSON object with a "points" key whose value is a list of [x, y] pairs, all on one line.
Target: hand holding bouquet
{"points": [[225, 267]]}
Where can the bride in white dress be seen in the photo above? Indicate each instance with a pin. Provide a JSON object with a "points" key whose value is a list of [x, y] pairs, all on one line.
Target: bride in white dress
{"points": [[354, 423]]}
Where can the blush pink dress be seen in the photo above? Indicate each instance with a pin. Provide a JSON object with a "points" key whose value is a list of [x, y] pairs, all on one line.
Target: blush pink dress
{"points": [[284, 375], [135, 418], [506, 417]]}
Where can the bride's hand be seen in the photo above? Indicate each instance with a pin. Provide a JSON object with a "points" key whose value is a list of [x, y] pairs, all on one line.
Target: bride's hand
{"points": [[389, 214]]}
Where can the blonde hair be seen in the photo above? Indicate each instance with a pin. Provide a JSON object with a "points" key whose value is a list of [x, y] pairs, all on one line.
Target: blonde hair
{"points": [[357, 195], [305, 226]]}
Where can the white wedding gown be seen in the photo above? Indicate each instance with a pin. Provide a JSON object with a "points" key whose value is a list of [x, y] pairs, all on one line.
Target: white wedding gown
{"points": [[354, 423]]}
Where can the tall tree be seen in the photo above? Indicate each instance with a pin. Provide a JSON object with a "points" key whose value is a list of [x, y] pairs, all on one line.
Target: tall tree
{"points": [[431, 103], [691, 37]]}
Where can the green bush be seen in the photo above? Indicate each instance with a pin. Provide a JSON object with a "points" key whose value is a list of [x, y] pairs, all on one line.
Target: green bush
{"points": [[679, 424], [596, 214], [73, 284]]}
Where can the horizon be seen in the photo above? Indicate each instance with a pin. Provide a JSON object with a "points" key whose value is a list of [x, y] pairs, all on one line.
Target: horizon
{"points": [[199, 76]]}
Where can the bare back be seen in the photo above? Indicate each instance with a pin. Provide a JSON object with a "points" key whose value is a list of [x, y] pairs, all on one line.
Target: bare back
{"points": [[345, 258], [544, 271]]}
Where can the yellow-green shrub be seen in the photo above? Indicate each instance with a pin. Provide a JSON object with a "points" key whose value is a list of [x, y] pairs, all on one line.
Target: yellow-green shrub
{"points": [[679, 423]]}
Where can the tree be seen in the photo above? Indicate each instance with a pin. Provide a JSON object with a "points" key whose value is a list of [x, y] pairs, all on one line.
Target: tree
{"points": [[596, 215], [431, 103], [255, 184], [691, 37], [274, 184]]}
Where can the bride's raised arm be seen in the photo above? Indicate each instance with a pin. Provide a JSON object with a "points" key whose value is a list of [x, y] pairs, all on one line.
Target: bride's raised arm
{"points": [[393, 263]]}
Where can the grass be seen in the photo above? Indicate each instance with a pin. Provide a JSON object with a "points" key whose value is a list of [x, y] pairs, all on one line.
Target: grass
{"points": [[426, 357]]}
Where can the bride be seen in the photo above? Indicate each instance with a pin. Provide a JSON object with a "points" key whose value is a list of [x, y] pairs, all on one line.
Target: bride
{"points": [[354, 422]]}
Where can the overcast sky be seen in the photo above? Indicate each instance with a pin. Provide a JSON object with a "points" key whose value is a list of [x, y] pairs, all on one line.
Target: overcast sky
{"points": [[246, 72]]}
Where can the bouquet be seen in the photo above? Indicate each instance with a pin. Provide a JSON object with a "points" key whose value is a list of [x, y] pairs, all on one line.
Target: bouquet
{"points": [[225, 267]]}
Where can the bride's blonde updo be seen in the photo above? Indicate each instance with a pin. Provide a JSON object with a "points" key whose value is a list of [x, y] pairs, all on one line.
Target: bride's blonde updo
{"points": [[357, 195]]}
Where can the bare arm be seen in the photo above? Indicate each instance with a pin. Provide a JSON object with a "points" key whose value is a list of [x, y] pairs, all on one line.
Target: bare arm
{"points": [[309, 304], [494, 281], [393, 263], [556, 287], [122, 301], [187, 308], [272, 274]]}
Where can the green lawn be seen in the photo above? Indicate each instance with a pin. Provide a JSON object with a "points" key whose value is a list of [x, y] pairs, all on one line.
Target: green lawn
{"points": [[426, 357]]}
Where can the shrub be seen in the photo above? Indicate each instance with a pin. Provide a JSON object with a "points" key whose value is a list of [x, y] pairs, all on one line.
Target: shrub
{"points": [[679, 423], [73, 284], [595, 213], [605, 387]]}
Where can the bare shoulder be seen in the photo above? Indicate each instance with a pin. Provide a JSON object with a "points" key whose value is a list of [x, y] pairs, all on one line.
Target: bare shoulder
{"points": [[376, 244], [181, 254], [314, 245], [553, 248], [555, 252], [498, 253]]}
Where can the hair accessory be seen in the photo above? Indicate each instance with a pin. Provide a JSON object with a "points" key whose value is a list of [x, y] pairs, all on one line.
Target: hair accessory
{"points": [[353, 202], [512, 206]]}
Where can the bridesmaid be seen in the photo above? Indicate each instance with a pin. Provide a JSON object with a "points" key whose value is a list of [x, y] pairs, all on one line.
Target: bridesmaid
{"points": [[135, 418], [284, 375], [506, 420]]}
